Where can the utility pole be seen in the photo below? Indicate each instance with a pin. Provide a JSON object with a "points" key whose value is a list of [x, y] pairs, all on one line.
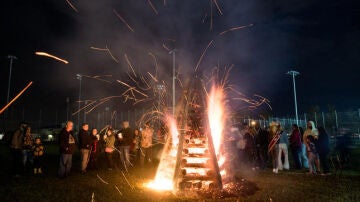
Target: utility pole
{"points": [[79, 77], [11, 57], [294, 74], [67, 108], [173, 81]]}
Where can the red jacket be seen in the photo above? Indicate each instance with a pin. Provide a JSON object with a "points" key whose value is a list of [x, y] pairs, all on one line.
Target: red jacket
{"points": [[295, 139]]}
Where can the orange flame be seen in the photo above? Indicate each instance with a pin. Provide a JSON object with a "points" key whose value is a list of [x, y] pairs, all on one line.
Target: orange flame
{"points": [[164, 175], [216, 116]]}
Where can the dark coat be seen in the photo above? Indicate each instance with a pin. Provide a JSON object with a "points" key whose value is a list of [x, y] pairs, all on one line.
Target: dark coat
{"points": [[67, 142], [295, 139], [128, 137], [323, 143], [85, 140]]}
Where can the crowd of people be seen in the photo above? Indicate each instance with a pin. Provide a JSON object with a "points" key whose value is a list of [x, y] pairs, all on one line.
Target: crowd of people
{"points": [[122, 148], [256, 147]]}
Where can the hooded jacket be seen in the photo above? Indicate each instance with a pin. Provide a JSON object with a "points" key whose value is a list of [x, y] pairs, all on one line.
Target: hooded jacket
{"points": [[314, 132]]}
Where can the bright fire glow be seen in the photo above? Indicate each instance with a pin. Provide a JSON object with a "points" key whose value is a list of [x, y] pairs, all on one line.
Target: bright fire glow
{"points": [[164, 175], [216, 116], [216, 111]]}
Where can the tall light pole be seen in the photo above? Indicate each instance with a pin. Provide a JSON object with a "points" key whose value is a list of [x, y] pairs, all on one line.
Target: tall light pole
{"points": [[67, 108], [79, 77], [173, 81], [11, 57], [294, 74]]}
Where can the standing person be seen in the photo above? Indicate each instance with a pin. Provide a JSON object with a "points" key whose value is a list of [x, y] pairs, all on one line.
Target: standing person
{"points": [[137, 142], [241, 143], [323, 147], [303, 156], [109, 139], [27, 148], [85, 143], [311, 130], [67, 148], [125, 138], [273, 147], [94, 149], [283, 149], [146, 144], [250, 148], [261, 140], [16, 145], [38, 153], [295, 145], [312, 153]]}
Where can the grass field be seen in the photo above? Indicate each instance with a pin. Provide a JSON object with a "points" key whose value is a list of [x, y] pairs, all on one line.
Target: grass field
{"points": [[285, 186]]}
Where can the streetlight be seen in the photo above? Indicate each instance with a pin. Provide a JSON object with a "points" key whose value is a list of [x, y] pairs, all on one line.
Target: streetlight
{"points": [[173, 81], [79, 77], [293, 74], [11, 57]]}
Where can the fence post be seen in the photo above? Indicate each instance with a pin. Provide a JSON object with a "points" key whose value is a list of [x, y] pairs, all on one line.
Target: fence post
{"points": [[336, 120], [323, 119]]}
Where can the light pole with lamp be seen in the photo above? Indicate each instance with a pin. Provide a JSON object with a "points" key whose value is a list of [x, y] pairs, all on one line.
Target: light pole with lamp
{"points": [[79, 77], [294, 74]]}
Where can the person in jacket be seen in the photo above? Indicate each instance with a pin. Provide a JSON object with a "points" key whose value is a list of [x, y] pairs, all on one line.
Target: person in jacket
{"points": [[311, 130], [109, 139], [323, 148], [283, 150], [146, 144], [38, 154], [312, 154], [125, 139], [16, 145], [85, 143], [95, 150], [295, 145], [67, 148], [27, 148], [261, 140]]}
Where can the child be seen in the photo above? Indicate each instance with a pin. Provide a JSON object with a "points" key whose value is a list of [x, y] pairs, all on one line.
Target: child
{"points": [[38, 151], [312, 154]]}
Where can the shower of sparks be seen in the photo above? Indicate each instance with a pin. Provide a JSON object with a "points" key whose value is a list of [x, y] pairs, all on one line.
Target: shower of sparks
{"points": [[132, 187], [217, 6], [153, 7], [72, 6], [107, 50], [123, 20], [130, 65], [101, 180], [236, 28], [51, 56], [202, 55], [118, 190]]}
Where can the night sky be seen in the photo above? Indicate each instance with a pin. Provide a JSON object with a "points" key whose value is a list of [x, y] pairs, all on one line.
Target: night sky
{"points": [[320, 39]]}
